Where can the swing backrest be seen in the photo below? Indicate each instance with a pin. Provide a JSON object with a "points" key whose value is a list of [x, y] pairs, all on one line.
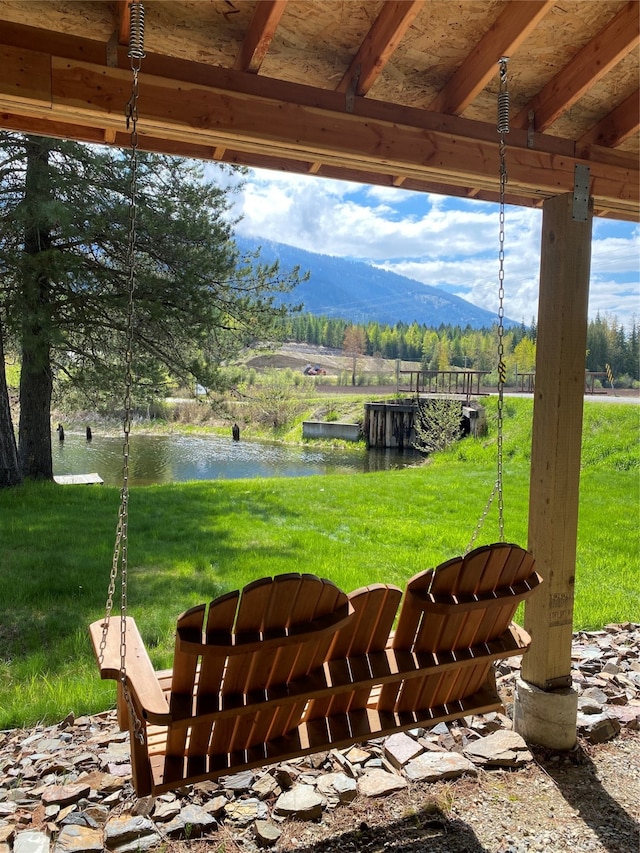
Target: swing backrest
{"points": [[466, 602], [246, 644]]}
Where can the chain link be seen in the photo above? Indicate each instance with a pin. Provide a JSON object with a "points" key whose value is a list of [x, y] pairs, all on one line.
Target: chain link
{"points": [[120, 552], [503, 128]]}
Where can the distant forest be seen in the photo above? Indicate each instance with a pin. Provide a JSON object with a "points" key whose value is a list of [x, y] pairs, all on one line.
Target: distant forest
{"points": [[608, 343]]}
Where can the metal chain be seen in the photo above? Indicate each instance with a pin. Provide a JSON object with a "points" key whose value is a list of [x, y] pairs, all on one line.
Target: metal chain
{"points": [[120, 552], [503, 128]]}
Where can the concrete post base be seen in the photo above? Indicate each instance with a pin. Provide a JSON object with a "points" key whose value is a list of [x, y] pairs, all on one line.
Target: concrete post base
{"points": [[545, 718]]}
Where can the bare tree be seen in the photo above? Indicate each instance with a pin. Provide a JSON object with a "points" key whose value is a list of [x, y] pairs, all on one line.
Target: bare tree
{"points": [[354, 345], [437, 424]]}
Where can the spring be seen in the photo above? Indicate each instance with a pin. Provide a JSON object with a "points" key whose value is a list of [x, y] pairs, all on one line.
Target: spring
{"points": [[136, 34], [503, 112], [503, 98]]}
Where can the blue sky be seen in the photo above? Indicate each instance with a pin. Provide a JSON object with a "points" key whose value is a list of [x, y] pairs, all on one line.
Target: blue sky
{"points": [[445, 242]]}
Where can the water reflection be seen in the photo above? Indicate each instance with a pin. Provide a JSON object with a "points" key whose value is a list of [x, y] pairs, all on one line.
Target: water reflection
{"points": [[176, 458]]}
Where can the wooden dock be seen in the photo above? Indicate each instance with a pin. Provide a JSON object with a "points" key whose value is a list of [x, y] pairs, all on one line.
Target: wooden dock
{"points": [[79, 480]]}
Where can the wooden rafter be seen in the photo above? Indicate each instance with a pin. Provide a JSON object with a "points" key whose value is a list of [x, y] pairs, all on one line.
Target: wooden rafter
{"points": [[617, 126], [378, 46], [503, 38], [124, 21], [265, 20], [620, 36]]}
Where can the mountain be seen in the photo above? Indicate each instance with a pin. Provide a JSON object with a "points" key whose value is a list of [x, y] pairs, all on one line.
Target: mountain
{"points": [[358, 292]]}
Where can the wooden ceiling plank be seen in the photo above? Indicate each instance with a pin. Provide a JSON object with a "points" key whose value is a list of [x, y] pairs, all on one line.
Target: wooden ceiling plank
{"points": [[616, 127], [26, 75], [503, 38], [200, 115], [620, 36], [259, 35], [276, 161], [54, 44], [379, 45]]}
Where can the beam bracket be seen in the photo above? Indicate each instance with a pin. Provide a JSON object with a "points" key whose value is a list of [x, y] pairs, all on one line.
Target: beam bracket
{"points": [[559, 683], [580, 193], [350, 94], [531, 129]]}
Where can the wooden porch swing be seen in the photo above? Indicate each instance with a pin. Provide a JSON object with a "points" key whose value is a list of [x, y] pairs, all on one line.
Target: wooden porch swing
{"points": [[293, 665]]}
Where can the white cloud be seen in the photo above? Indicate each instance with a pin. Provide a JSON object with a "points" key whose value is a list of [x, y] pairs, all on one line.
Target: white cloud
{"points": [[449, 243]]}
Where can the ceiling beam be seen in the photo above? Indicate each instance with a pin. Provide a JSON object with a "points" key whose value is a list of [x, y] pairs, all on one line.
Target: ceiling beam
{"points": [[620, 36], [379, 45], [79, 92], [258, 158], [503, 38], [124, 21], [618, 125], [244, 118], [263, 26]]}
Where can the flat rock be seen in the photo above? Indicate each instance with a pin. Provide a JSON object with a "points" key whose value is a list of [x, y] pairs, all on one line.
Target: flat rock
{"points": [[432, 766], [337, 788], [400, 749], [504, 749], [191, 822], [244, 812], [267, 833], [63, 795], [31, 842], [380, 783], [239, 782], [128, 834], [302, 802], [598, 728], [78, 839]]}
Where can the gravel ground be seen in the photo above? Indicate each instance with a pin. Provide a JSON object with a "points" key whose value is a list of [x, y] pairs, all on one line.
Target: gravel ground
{"points": [[587, 800]]}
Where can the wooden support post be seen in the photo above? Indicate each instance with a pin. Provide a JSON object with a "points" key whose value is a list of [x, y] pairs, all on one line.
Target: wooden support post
{"points": [[555, 458]]}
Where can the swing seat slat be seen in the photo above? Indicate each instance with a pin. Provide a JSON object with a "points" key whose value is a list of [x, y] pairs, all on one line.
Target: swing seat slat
{"points": [[292, 665]]}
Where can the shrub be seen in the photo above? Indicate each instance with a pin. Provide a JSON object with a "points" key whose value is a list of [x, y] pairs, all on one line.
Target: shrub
{"points": [[438, 424]]}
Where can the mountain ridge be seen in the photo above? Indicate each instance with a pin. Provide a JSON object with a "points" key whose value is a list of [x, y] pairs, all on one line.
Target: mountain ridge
{"points": [[360, 293]]}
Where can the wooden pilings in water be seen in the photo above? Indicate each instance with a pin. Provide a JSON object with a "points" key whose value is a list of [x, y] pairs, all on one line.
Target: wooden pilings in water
{"points": [[389, 424]]}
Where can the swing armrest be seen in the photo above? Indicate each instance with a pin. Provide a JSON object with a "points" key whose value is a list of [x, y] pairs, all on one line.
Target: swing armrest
{"points": [[141, 677]]}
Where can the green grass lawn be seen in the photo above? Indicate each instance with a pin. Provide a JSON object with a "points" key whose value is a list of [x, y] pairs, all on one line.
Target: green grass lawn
{"points": [[191, 542]]}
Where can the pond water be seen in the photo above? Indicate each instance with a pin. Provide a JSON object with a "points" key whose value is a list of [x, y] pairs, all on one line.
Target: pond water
{"points": [[177, 458]]}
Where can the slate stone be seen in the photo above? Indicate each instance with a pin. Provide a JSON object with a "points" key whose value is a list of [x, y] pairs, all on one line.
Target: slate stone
{"points": [[266, 786], [163, 812], [244, 812], [191, 822], [31, 842], [302, 802], [78, 839], [598, 728], [267, 833], [400, 749], [337, 788], [596, 694], [127, 834], [7, 833], [63, 795], [216, 805], [432, 766], [379, 783], [79, 819], [239, 782], [504, 749]]}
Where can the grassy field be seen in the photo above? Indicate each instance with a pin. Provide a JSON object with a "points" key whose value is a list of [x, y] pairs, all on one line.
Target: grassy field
{"points": [[191, 542]]}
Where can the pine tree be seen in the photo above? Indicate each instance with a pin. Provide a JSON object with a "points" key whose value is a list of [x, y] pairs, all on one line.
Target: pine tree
{"points": [[63, 252]]}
